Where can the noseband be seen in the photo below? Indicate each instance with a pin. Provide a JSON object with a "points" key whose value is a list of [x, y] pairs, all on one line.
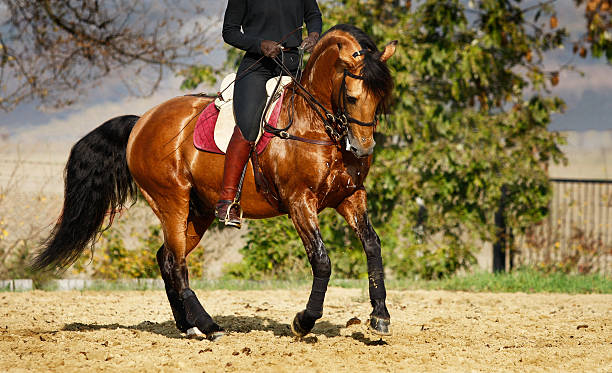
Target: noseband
{"points": [[336, 125]]}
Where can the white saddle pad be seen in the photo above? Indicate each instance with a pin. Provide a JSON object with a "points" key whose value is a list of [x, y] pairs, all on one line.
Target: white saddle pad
{"points": [[226, 120]]}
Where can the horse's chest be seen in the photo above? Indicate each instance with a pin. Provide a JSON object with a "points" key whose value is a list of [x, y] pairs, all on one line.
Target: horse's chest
{"points": [[343, 180]]}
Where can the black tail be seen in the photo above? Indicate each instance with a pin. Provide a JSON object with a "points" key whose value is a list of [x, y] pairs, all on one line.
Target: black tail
{"points": [[97, 182]]}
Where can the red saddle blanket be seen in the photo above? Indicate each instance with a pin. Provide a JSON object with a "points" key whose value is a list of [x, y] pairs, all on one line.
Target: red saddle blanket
{"points": [[203, 135]]}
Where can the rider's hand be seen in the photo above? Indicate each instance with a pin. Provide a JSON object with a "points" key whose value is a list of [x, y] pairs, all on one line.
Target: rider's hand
{"points": [[270, 48], [310, 41]]}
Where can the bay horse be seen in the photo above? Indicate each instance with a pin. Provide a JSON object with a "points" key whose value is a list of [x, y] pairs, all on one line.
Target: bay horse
{"points": [[322, 162]]}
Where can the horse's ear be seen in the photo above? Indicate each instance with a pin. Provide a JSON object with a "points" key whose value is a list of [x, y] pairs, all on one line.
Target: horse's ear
{"points": [[389, 51]]}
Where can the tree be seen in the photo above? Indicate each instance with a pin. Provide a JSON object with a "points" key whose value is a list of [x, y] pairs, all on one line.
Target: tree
{"points": [[470, 116], [53, 51], [598, 37]]}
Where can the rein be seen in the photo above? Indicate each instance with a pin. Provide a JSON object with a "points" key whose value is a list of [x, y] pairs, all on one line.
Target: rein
{"points": [[238, 77], [336, 125], [282, 132]]}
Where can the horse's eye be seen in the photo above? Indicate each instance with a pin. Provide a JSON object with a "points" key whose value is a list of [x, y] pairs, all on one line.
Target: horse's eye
{"points": [[351, 100]]}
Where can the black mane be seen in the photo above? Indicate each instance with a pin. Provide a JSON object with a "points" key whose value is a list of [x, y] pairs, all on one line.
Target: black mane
{"points": [[377, 77]]}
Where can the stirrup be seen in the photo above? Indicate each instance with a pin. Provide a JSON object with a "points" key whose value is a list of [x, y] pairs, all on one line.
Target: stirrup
{"points": [[233, 223]]}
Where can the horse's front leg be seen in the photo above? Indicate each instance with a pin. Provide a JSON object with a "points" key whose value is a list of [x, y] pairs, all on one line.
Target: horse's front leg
{"points": [[304, 216], [354, 211]]}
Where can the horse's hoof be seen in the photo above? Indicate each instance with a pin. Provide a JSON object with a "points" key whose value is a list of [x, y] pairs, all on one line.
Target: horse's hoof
{"points": [[379, 326], [296, 328], [215, 336]]}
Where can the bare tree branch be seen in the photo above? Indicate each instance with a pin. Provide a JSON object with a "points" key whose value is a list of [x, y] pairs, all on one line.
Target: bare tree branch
{"points": [[52, 51]]}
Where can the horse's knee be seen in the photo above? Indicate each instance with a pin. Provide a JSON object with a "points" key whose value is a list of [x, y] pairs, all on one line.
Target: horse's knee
{"points": [[321, 267], [162, 261], [319, 260], [371, 241], [173, 271]]}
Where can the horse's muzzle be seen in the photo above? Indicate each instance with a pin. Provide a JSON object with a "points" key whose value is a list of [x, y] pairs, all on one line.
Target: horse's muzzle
{"points": [[358, 149]]}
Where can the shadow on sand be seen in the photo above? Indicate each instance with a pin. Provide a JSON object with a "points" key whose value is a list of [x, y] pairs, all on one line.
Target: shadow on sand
{"points": [[233, 324], [166, 328]]}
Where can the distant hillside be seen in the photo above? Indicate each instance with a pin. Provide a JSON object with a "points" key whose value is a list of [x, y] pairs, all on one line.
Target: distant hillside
{"points": [[589, 156], [38, 168], [33, 168]]}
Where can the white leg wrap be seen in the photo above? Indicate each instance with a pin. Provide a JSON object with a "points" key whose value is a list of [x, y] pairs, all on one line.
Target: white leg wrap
{"points": [[194, 332]]}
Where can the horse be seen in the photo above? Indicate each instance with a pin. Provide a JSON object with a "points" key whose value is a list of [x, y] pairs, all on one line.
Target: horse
{"points": [[321, 161]]}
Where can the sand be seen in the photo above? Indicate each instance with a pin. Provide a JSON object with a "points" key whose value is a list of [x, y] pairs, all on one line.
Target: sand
{"points": [[433, 331]]}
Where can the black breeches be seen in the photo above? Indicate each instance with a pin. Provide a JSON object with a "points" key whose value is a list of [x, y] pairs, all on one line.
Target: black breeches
{"points": [[250, 90]]}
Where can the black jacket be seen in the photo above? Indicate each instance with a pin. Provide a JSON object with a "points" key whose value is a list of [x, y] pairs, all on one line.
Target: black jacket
{"points": [[268, 20]]}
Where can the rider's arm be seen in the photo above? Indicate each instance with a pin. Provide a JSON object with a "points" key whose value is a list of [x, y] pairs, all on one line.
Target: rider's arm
{"points": [[232, 33], [312, 16]]}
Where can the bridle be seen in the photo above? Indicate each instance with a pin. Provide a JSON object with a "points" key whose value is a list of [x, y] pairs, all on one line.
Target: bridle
{"points": [[342, 114], [336, 124]]}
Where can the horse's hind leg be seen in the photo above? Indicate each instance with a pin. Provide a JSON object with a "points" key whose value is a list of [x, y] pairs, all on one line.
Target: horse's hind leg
{"points": [[180, 239], [183, 229], [165, 259], [304, 216], [354, 211], [196, 226]]}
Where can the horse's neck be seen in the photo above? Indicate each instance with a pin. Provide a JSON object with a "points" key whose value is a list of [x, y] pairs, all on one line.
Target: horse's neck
{"points": [[318, 76], [317, 81]]}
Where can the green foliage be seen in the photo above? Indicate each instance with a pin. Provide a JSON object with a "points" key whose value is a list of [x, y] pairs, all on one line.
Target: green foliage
{"points": [[197, 75], [469, 119], [274, 250], [462, 125], [281, 254], [112, 260], [266, 255], [208, 75], [598, 35]]}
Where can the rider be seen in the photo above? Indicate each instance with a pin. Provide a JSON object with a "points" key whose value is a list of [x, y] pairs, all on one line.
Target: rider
{"points": [[259, 27]]}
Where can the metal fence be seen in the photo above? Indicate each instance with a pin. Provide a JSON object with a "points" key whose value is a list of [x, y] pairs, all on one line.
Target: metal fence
{"points": [[577, 233]]}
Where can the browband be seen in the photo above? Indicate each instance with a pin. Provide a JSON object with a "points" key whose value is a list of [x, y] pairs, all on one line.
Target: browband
{"points": [[359, 53]]}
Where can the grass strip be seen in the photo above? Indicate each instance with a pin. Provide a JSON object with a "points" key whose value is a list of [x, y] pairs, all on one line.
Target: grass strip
{"points": [[522, 280]]}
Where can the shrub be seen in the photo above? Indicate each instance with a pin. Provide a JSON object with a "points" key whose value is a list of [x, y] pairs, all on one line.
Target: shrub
{"points": [[273, 249], [16, 263]]}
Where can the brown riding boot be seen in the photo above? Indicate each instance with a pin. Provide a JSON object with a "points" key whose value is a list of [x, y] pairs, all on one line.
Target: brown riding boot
{"points": [[236, 157]]}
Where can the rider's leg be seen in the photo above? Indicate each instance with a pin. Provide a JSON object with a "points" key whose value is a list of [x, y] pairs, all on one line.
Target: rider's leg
{"points": [[236, 157], [250, 94], [249, 102]]}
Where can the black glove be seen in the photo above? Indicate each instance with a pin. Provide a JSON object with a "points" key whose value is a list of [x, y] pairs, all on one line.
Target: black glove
{"points": [[270, 48], [310, 41]]}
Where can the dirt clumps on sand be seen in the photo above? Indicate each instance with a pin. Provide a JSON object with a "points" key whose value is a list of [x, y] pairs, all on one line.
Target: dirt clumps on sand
{"points": [[432, 331]]}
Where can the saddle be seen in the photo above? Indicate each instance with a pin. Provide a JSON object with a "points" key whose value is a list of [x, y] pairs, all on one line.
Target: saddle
{"points": [[215, 125]]}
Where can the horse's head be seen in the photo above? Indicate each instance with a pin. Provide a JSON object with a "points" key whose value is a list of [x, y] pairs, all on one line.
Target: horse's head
{"points": [[349, 74]]}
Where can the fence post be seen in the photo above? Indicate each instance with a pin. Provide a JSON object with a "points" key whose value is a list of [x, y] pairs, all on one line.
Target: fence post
{"points": [[500, 245]]}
